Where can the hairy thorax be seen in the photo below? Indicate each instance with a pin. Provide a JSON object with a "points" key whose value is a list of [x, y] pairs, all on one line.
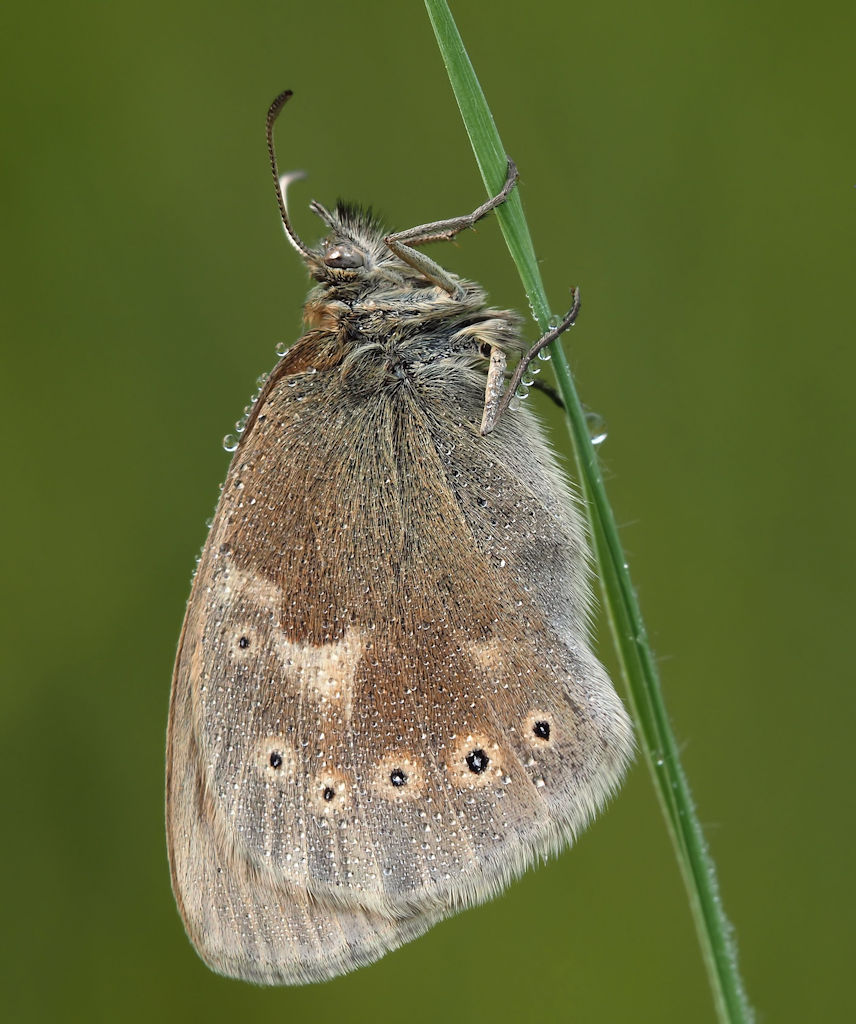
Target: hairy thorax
{"points": [[410, 329]]}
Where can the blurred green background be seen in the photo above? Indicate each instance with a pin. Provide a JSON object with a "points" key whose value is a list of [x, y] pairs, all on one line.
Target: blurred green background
{"points": [[692, 167]]}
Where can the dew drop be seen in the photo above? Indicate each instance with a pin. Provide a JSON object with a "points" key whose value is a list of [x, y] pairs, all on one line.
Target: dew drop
{"points": [[230, 443], [281, 348], [596, 427]]}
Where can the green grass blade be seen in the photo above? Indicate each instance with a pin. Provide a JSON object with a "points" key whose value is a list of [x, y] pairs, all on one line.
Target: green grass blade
{"points": [[628, 629]]}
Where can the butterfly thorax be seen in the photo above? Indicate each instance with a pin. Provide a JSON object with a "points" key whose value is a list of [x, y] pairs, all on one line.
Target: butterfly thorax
{"points": [[367, 294]]}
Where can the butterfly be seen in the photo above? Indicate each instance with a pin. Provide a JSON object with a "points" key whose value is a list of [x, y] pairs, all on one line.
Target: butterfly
{"points": [[385, 705]]}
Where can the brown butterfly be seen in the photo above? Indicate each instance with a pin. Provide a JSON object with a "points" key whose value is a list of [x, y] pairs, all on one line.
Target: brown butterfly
{"points": [[385, 705]]}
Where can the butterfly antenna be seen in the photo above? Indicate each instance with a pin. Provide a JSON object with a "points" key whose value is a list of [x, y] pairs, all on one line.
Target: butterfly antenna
{"points": [[281, 183]]}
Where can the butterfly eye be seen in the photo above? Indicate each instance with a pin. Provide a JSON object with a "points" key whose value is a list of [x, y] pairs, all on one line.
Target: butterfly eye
{"points": [[344, 257]]}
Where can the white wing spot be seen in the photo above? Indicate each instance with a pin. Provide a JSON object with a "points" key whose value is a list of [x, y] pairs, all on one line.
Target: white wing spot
{"points": [[327, 671]]}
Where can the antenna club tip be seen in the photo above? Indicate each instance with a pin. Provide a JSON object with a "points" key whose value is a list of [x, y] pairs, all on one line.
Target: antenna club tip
{"points": [[278, 104]]}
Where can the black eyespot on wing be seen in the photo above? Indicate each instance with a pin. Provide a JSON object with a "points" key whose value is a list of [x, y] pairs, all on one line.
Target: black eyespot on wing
{"points": [[330, 793], [475, 760], [273, 756], [398, 776], [538, 729], [541, 729], [244, 643]]}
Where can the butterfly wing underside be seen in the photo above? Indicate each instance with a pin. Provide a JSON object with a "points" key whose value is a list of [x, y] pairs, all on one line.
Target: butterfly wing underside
{"points": [[370, 730]]}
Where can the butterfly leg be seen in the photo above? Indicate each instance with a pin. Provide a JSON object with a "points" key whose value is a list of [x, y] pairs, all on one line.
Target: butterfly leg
{"points": [[403, 243], [497, 401]]}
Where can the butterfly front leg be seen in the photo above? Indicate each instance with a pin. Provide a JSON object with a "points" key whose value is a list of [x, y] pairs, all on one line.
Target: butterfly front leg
{"points": [[403, 243]]}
